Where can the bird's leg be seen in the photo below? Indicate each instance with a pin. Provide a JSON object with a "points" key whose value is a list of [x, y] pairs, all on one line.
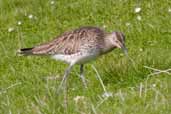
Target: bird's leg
{"points": [[65, 94], [82, 75], [64, 85], [67, 71]]}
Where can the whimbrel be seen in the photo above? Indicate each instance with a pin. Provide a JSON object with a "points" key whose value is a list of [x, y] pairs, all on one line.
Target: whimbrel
{"points": [[79, 47]]}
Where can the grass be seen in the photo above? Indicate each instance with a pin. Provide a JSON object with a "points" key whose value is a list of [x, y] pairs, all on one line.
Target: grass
{"points": [[28, 84]]}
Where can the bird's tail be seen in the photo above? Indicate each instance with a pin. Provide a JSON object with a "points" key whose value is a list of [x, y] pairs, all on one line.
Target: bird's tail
{"points": [[25, 51], [42, 49]]}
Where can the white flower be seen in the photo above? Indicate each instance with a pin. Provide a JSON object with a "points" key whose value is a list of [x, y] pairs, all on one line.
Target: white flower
{"points": [[154, 85], [139, 17], [141, 49], [169, 10], [104, 26], [137, 9], [78, 98], [128, 24], [19, 22], [30, 16], [107, 94], [52, 2], [11, 29]]}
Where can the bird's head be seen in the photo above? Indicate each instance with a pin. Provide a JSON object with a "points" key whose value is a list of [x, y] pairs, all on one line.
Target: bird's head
{"points": [[118, 41]]}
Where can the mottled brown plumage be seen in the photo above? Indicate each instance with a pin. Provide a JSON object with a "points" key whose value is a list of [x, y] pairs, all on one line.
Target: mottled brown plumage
{"points": [[79, 46], [74, 41]]}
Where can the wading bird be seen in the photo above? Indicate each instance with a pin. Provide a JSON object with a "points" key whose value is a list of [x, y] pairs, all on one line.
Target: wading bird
{"points": [[79, 47]]}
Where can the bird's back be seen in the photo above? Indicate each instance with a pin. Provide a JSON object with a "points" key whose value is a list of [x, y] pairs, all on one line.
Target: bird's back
{"points": [[82, 39]]}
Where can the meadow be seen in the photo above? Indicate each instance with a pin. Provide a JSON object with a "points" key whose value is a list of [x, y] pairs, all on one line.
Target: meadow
{"points": [[28, 85]]}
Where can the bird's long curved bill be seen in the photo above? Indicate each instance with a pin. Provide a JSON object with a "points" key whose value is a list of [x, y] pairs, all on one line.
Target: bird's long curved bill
{"points": [[125, 50]]}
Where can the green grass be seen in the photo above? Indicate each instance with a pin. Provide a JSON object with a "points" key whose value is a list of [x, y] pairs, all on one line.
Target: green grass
{"points": [[24, 84]]}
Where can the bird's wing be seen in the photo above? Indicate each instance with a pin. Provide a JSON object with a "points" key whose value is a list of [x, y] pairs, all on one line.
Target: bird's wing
{"points": [[71, 42]]}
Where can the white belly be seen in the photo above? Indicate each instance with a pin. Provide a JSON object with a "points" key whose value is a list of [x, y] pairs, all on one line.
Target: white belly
{"points": [[77, 58]]}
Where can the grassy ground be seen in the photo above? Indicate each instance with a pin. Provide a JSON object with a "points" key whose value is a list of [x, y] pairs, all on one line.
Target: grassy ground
{"points": [[28, 84]]}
